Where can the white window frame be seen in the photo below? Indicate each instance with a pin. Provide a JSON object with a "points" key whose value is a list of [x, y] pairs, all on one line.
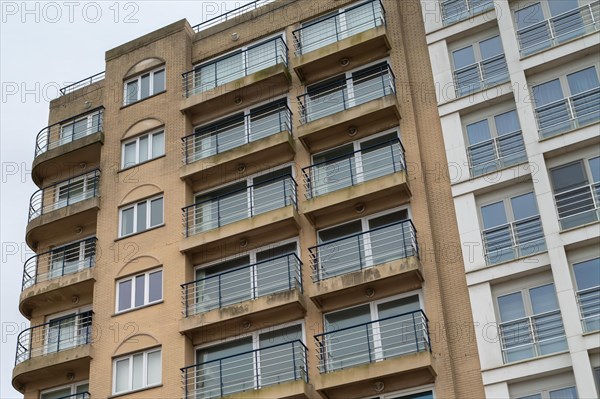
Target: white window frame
{"points": [[129, 357], [73, 387], [68, 184], [134, 206], [136, 140], [81, 257], [542, 385], [138, 78], [90, 123], [406, 392], [132, 278], [76, 314]]}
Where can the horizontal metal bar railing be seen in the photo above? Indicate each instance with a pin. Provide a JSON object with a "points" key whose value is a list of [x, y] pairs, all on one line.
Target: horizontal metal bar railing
{"points": [[80, 395], [58, 262], [578, 205], [69, 130], [514, 240], [236, 132], [457, 10], [589, 308], [82, 83], [481, 75], [339, 26], [347, 93], [496, 153], [373, 341], [358, 251], [235, 13], [64, 193], [559, 29], [282, 273], [569, 113], [240, 204], [55, 336], [246, 371], [230, 67], [347, 170]]}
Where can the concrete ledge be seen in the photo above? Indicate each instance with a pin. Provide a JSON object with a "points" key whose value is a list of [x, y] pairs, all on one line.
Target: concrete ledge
{"points": [[297, 389]]}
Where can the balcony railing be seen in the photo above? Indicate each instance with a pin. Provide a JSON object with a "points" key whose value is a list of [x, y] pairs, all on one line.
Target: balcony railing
{"points": [[374, 341], [59, 262], [589, 308], [283, 273], [350, 169], [64, 193], [69, 130], [235, 133], [559, 29], [240, 204], [82, 83], [246, 371], [496, 153], [569, 113], [532, 336], [363, 250], [336, 27], [514, 240], [457, 10], [481, 75], [80, 395], [55, 336], [242, 63], [343, 94], [235, 13], [578, 206]]}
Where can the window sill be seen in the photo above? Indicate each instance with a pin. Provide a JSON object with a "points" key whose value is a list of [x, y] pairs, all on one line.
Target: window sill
{"points": [[581, 226], [139, 232], [117, 395], [129, 168], [143, 99], [520, 258], [138, 308]]}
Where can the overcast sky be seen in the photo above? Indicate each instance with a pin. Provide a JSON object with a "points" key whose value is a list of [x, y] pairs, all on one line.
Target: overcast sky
{"points": [[43, 46]]}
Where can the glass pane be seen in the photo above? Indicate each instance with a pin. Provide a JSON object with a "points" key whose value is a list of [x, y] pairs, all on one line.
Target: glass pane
{"points": [[507, 122], [58, 394], [131, 94], [558, 7], [491, 47], [388, 219], [158, 144], [326, 98], [405, 332], [154, 368], [138, 371], [543, 299], [584, 80], [80, 128], [547, 92], [159, 81], [156, 212], [463, 57], [511, 307], [140, 290], [587, 274], [535, 396], [524, 206], [493, 215], [127, 221], [594, 165], [141, 216], [564, 393], [230, 68], [478, 132], [224, 284], [361, 18], [155, 286], [205, 78], [422, 395], [122, 375], [319, 32], [341, 255], [82, 388], [130, 155], [143, 148], [262, 56], [277, 362], [350, 346], [145, 86], [529, 15], [272, 190], [279, 273], [333, 170], [371, 83], [569, 176], [124, 295]]}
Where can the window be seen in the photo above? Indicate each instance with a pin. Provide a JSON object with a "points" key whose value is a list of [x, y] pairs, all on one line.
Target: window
{"points": [[479, 65], [139, 290], [72, 258], [68, 330], [141, 216], [137, 371], [458, 10], [512, 228], [78, 390], [530, 323], [80, 127], [76, 189], [587, 278], [494, 143], [567, 102], [576, 187], [143, 148], [561, 393], [145, 85]]}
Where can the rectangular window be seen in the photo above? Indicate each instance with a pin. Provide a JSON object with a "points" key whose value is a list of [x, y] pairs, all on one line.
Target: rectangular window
{"points": [[68, 330], [142, 149], [457, 10], [81, 127], [137, 371], [587, 278], [71, 258], [141, 216], [78, 390], [144, 86], [140, 290]]}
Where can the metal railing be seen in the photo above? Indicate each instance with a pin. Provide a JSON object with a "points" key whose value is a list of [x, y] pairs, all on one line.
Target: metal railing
{"points": [[228, 68], [359, 251], [69, 130], [64, 193], [342, 94], [457, 10], [235, 132], [481, 75], [54, 336], [235, 13], [589, 308], [341, 25], [356, 167], [532, 336], [578, 206], [283, 273], [496, 153], [569, 113], [373, 341], [514, 240], [80, 395], [246, 371], [58, 262], [559, 29], [240, 204], [90, 80]]}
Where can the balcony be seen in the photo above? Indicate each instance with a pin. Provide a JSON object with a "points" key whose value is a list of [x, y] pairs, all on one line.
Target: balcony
{"points": [[357, 34], [589, 308], [348, 108], [454, 11], [578, 206], [279, 371], [569, 113], [254, 74], [69, 142], [80, 395], [559, 29], [63, 205], [481, 75], [229, 15], [58, 275], [496, 153], [514, 240]]}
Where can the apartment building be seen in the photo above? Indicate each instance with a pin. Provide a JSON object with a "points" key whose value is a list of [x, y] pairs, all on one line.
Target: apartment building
{"points": [[250, 208], [519, 101]]}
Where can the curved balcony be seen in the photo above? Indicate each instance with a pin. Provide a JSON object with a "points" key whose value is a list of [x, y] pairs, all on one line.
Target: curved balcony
{"points": [[69, 142], [63, 206]]}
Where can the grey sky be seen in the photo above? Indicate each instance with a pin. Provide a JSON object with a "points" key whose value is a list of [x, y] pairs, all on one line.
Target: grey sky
{"points": [[43, 46]]}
